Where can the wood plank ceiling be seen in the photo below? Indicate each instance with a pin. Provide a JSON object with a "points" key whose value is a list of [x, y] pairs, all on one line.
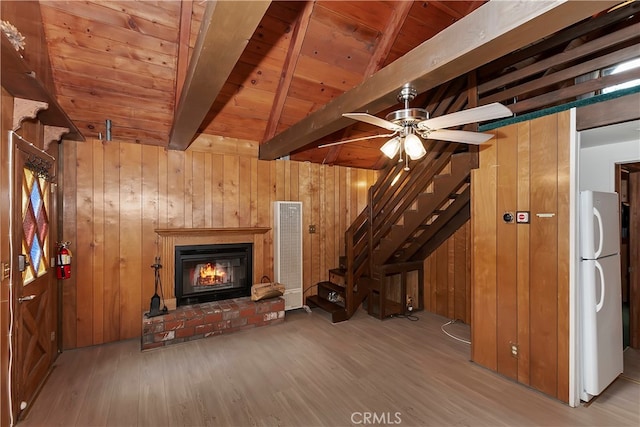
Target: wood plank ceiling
{"points": [[127, 61], [123, 60]]}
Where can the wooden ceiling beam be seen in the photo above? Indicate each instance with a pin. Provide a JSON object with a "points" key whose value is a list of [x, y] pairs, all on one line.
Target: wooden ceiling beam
{"points": [[446, 9], [392, 29], [182, 65], [491, 31], [225, 31], [293, 53]]}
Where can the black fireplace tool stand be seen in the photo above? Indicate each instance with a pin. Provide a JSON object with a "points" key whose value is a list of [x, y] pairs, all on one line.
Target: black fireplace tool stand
{"points": [[154, 308]]}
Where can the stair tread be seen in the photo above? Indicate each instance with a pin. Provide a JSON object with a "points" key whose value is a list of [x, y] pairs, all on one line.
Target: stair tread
{"points": [[332, 286], [338, 312], [338, 271], [324, 304], [415, 219]]}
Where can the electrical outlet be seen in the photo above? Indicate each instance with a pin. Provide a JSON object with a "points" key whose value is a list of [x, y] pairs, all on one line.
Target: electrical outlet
{"points": [[312, 229], [53, 335], [514, 349], [409, 303]]}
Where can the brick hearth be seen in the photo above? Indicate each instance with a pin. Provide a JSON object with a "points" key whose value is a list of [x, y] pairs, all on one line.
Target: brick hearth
{"points": [[198, 321]]}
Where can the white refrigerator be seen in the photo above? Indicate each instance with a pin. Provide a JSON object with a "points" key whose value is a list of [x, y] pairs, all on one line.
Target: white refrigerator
{"points": [[600, 291]]}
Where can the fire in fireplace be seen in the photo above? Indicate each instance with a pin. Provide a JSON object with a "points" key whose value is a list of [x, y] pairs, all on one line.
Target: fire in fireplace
{"points": [[211, 275], [206, 273]]}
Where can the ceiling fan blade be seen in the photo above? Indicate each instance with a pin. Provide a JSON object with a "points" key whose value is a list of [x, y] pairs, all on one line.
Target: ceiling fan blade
{"points": [[373, 120], [362, 138], [460, 136], [472, 115]]}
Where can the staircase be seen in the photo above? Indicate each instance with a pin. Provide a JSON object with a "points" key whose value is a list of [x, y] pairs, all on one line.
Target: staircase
{"points": [[408, 216]]}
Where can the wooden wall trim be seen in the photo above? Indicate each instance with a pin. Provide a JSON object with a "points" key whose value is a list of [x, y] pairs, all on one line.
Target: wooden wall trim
{"points": [[211, 231], [523, 251], [6, 118], [25, 109], [609, 112]]}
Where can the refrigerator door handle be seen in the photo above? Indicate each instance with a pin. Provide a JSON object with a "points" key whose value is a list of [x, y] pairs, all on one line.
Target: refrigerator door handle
{"points": [[596, 213], [600, 303]]}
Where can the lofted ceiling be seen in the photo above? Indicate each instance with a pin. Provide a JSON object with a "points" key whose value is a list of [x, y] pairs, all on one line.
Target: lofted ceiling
{"points": [[130, 61]]}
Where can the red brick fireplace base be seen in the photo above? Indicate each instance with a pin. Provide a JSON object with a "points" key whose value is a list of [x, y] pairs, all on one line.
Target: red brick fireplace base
{"points": [[197, 321]]}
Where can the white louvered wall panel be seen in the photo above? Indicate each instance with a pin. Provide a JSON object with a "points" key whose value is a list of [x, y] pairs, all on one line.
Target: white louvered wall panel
{"points": [[288, 251]]}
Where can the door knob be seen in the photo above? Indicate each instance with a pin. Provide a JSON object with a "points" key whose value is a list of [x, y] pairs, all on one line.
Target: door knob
{"points": [[26, 298]]}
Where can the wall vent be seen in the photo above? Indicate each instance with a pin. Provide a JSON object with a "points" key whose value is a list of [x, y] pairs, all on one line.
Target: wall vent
{"points": [[287, 258]]}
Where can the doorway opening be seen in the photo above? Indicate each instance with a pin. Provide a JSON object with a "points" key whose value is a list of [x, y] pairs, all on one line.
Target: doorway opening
{"points": [[628, 187]]}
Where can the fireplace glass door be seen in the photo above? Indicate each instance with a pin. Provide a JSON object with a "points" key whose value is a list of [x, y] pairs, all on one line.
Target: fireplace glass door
{"points": [[212, 272]]}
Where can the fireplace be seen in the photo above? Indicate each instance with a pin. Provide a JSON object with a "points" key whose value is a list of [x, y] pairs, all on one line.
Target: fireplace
{"points": [[214, 272]]}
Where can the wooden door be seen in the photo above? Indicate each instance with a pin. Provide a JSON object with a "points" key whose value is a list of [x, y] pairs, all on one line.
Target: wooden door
{"points": [[34, 282]]}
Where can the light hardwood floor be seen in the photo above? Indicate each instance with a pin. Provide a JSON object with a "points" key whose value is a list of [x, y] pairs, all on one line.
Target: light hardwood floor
{"points": [[309, 372]]}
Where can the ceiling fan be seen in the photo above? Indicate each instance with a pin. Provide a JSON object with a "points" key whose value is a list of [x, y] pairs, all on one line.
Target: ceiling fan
{"points": [[408, 124]]}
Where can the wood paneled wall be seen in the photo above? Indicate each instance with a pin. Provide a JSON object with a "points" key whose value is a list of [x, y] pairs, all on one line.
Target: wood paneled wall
{"points": [[447, 277], [117, 194], [520, 272]]}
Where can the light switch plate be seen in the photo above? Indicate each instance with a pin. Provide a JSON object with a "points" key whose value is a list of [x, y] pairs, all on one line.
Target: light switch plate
{"points": [[5, 270], [522, 217]]}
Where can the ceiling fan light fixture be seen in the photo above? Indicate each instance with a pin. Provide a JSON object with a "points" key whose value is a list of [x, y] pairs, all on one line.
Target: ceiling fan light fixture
{"points": [[412, 124], [391, 147], [413, 147]]}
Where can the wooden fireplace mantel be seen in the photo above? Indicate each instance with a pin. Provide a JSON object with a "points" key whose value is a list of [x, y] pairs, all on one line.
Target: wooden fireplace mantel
{"points": [[172, 237], [211, 231]]}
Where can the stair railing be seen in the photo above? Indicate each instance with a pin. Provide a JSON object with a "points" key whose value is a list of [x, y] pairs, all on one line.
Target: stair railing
{"points": [[391, 205], [393, 193]]}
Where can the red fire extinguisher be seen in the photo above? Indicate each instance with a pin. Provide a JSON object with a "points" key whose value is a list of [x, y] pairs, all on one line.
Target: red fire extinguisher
{"points": [[63, 261]]}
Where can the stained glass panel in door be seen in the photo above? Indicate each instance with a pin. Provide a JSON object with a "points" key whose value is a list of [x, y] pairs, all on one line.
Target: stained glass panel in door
{"points": [[35, 225]]}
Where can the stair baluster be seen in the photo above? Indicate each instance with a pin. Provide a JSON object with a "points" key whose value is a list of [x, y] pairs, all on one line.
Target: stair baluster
{"points": [[397, 231]]}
